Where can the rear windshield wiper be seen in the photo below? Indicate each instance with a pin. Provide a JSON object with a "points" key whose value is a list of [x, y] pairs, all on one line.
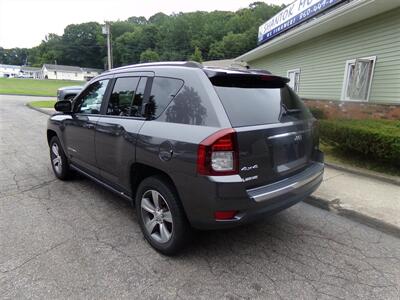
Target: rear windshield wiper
{"points": [[286, 111], [291, 111]]}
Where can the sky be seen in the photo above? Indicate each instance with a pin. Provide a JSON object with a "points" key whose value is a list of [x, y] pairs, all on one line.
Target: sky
{"points": [[25, 23]]}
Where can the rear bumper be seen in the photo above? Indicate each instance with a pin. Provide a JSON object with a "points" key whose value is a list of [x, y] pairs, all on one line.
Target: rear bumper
{"points": [[255, 203], [291, 184]]}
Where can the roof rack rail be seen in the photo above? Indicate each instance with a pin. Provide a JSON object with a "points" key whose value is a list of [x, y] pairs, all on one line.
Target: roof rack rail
{"points": [[188, 64]]}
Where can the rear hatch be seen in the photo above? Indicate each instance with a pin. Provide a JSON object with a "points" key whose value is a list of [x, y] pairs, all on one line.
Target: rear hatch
{"points": [[275, 131]]}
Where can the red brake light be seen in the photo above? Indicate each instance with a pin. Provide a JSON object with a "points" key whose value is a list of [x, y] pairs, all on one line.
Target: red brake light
{"points": [[218, 154]]}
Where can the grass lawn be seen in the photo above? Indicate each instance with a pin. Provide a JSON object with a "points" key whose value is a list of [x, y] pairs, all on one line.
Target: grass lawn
{"points": [[334, 155], [43, 104], [35, 87]]}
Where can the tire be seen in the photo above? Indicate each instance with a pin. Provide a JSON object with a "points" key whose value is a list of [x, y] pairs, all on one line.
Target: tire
{"points": [[59, 161], [167, 229]]}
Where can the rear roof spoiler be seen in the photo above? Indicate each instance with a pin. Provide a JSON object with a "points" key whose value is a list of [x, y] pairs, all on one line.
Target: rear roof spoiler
{"points": [[218, 75]]}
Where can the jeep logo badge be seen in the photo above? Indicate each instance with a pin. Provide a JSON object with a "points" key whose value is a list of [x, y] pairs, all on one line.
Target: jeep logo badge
{"points": [[298, 138]]}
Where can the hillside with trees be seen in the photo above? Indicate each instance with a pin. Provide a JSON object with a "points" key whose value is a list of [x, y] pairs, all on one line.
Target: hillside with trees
{"points": [[184, 36]]}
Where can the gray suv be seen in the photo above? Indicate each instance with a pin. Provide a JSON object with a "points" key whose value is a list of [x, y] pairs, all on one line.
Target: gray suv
{"points": [[189, 146]]}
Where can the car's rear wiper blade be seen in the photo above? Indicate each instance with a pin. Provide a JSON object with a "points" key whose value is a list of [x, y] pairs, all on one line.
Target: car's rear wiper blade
{"points": [[291, 111]]}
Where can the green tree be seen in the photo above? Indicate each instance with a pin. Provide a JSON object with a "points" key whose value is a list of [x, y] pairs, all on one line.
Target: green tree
{"points": [[138, 20], [118, 28], [232, 45], [196, 56], [83, 45], [14, 56], [195, 35], [149, 56]]}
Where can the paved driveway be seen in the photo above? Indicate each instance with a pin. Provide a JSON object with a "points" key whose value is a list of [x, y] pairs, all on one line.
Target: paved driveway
{"points": [[77, 240]]}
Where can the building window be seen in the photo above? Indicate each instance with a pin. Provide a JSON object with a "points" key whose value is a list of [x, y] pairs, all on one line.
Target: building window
{"points": [[294, 76], [76, 74], [358, 78], [55, 72]]}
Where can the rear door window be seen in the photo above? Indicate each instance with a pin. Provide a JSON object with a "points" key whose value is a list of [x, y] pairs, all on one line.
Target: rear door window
{"points": [[163, 91], [260, 104], [120, 103]]}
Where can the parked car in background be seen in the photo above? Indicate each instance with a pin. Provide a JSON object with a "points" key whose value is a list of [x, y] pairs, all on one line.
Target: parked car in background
{"points": [[68, 92], [22, 75], [190, 146]]}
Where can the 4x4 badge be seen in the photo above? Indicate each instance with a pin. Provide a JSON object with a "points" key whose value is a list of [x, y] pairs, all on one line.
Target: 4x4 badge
{"points": [[298, 138], [249, 168]]}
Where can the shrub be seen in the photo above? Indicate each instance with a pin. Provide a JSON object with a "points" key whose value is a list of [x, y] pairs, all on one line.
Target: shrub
{"points": [[317, 113], [378, 139]]}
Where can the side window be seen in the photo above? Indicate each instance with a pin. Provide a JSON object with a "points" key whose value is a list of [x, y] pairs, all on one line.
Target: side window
{"points": [[138, 99], [163, 91], [122, 96], [358, 78], [294, 76], [90, 101]]}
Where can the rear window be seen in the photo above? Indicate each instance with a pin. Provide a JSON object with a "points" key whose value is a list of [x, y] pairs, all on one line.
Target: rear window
{"points": [[162, 92], [247, 105]]}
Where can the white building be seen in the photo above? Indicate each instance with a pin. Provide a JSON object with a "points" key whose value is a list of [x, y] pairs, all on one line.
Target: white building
{"points": [[9, 70], [30, 72], [89, 73], [50, 71]]}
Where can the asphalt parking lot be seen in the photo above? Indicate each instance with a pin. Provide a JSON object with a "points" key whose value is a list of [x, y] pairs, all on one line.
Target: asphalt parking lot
{"points": [[77, 240]]}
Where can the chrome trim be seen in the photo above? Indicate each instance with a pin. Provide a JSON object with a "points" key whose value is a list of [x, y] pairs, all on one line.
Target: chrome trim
{"points": [[286, 134], [282, 188], [270, 126]]}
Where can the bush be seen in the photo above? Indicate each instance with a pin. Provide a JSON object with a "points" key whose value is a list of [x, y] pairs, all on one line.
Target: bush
{"points": [[317, 113], [378, 139]]}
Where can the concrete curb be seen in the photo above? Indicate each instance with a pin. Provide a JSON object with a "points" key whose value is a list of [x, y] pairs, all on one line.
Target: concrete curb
{"points": [[334, 207], [358, 171], [43, 111]]}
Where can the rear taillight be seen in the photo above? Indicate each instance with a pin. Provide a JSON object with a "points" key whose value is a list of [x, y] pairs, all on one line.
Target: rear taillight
{"points": [[218, 154]]}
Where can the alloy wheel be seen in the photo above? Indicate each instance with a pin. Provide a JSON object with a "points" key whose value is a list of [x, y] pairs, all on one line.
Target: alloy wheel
{"points": [[157, 217], [56, 158]]}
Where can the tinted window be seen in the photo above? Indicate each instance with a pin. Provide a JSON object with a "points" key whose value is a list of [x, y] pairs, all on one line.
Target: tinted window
{"points": [[138, 99], [247, 106], [162, 92], [90, 100], [121, 98]]}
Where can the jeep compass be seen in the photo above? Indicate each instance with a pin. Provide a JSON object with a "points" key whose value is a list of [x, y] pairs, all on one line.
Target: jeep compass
{"points": [[189, 146]]}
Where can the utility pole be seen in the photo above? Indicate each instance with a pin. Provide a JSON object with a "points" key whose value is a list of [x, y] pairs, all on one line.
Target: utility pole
{"points": [[107, 30], [55, 63]]}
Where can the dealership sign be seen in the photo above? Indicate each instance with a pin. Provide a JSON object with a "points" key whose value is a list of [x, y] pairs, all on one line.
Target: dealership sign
{"points": [[296, 13]]}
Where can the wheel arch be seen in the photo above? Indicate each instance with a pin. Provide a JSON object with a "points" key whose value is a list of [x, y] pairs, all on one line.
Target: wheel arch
{"points": [[139, 172], [50, 134]]}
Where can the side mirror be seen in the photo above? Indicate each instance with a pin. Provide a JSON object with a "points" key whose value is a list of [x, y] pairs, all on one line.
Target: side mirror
{"points": [[64, 106]]}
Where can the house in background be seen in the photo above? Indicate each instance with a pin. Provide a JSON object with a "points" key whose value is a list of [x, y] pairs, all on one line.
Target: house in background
{"points": [[9, 70], [62, 72], [30, 72], [89, 73], [342, 56], [50, 71]]}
